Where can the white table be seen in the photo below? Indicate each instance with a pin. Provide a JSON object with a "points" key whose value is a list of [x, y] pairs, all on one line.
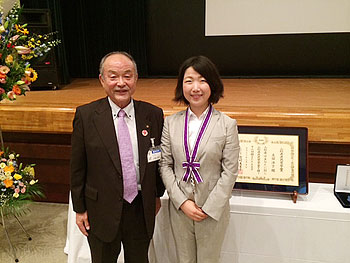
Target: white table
{"points": [[263, 228], [271, 228]]}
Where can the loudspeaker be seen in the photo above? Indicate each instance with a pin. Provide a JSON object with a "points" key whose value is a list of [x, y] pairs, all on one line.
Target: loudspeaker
{"points": [[39, 22]]}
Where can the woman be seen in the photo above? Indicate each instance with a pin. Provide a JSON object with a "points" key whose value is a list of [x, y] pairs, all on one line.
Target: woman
{"points": [[199, 163]]}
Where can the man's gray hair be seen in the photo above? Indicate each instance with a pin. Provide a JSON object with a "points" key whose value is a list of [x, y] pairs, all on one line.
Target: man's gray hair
{"points": [[115, 53]]}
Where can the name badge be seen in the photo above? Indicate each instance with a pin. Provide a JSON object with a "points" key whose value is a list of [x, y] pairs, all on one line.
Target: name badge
{"points": [[154, 153]]}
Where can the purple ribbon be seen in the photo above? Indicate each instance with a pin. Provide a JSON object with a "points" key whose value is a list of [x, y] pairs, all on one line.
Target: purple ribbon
{"points": [[190, 165]]}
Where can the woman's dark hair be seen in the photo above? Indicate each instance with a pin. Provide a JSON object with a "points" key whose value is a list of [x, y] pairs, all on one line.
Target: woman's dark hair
{"points": [[207, 70]]}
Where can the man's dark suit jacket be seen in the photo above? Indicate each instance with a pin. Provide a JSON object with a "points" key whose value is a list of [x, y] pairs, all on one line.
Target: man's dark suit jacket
{"points": [[96, 174]]}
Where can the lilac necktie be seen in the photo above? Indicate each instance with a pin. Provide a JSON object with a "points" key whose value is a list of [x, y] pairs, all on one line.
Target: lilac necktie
{"points": [[127, 159]]}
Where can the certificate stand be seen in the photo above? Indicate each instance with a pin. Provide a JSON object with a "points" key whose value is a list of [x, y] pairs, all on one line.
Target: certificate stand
{"points": [[273, 159], [294, 196], [7, 235]]}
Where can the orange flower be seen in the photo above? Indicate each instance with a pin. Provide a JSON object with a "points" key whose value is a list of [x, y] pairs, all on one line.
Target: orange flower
{"points": [[16, 90], [8, 183], [1, 153], [3, 78], [9, 169]]}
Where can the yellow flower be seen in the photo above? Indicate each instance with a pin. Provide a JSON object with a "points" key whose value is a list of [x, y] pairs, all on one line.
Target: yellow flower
{"points": [[21, 29], [2, 165], [32, 172], [17, 176], [33, 182], [27, 57], [9, 59], [12, 156], [15, 195], [31, 75]]}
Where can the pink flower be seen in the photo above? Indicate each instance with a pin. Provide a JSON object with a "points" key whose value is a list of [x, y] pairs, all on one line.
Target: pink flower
{"points": [[23, 190], [4, 69], [17, 190], [25, 87], [22, 50], [11, 95], [14, 38]]}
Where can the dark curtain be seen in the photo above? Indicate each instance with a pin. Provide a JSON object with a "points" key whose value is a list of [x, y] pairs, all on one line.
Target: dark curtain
{"points": [[93, 28]]}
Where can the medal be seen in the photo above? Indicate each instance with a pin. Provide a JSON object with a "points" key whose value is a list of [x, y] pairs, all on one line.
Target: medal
{"points": [[190, 165]]}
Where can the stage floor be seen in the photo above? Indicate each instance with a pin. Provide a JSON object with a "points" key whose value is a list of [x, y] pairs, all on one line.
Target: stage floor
{"points": [[321, 105]]}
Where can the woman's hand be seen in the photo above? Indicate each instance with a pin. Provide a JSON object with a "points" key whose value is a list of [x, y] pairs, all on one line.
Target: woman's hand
{"points": [[193, 211]]}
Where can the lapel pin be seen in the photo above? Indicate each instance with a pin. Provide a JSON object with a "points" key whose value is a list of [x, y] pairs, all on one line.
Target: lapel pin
{"points": [[144, 133]]}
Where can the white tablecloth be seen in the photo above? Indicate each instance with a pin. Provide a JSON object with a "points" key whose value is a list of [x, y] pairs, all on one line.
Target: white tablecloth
{"points": [[263, 228], [77, 247]]}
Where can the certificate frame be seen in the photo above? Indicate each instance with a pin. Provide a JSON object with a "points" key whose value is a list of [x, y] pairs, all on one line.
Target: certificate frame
{"points": [[301, 184]]}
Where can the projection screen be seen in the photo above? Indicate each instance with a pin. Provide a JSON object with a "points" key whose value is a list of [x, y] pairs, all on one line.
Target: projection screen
{"points": [[255, 17]]}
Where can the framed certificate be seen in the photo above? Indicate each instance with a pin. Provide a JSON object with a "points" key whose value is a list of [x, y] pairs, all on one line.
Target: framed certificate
{"points": [[342, 184], [273, 159]]}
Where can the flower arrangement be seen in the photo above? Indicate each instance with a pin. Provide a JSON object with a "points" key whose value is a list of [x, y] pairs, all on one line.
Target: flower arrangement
{"points": [[18, 185], [18, 48]]}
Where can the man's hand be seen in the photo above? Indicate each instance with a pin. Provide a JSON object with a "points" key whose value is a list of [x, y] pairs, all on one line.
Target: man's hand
{"points": [[158, 204], [83, 222], [193, 211]]}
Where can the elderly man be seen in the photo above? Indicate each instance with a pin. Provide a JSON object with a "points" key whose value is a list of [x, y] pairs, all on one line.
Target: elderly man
{"points": [[115, 182]]}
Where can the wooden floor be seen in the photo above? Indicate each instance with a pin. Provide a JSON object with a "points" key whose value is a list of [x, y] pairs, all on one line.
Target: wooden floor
{"points": [[321, 105]]}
